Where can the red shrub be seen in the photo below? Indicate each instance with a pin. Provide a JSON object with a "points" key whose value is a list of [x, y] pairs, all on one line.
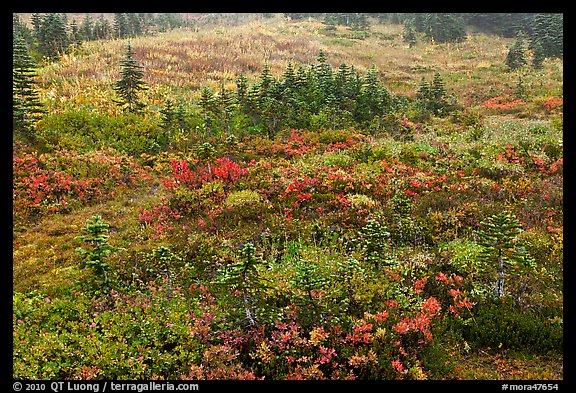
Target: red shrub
{"points": [[193, 176], [502, 102], [554, 103]]}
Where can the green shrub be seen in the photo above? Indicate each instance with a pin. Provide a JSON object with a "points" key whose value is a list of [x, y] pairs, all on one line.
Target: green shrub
{"points": [[332, 136], [436, 358], [84, 130], [243, 205], [242, 199], [554, 151], [501, 324], [361, 200], [205, 150], [139, 335], [338, 159]]}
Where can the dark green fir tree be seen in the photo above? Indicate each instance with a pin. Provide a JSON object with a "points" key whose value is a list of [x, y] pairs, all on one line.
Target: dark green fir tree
{"points": [[244, 277], [96, 238], [131, 83], [26, 106], [538, 57], [516, 57], [169, 120], [409, 33], [502, 251], [443, 27]]}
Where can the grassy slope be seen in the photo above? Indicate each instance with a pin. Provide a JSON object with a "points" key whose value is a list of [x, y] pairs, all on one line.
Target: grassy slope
{"points": [[182, 62], [474, 69]]}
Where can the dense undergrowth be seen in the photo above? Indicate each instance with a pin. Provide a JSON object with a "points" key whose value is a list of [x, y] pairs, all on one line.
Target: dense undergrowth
{"points": [[324, 252]]}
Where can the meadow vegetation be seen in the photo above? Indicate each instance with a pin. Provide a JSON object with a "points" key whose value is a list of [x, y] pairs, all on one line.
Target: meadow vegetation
{"points": [[198, 243]]}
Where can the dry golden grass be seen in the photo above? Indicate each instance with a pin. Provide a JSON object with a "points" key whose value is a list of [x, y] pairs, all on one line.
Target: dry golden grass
{"points": [[187, 60]]}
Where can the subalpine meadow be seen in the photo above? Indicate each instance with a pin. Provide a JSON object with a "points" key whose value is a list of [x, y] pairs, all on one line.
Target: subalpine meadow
{"points": [[288, 196]]}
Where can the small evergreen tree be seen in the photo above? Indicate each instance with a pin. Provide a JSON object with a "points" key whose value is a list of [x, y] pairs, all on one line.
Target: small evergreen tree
{"points": [[433, 96], [131, 83], [516, 57], [26, 106], [289, 77], [96, 237], [301, 80], [538, 57], [244, 277], [369, 103], [205, 150], [341, 80], [166, 261], [169, 120], [372, 240], [225, 108], [266, 84], [438, 89], [423, 92], [444, 27], [208, 108], [501, 249], [409, 33], [322, 72], [251, 106], [308, 280], [242, 90]]}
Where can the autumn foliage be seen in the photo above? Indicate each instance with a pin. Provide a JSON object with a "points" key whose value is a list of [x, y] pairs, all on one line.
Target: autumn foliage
{"points": [[325, 224]]}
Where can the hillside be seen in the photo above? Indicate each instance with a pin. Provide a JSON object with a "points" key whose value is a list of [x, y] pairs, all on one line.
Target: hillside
{"points": [[366, 209]]}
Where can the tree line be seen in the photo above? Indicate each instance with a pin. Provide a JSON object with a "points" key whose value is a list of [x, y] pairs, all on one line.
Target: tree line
{"points": [[53, 34], [544, 31]]}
